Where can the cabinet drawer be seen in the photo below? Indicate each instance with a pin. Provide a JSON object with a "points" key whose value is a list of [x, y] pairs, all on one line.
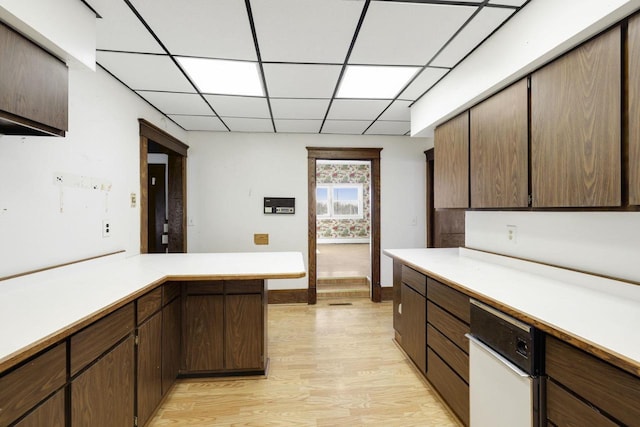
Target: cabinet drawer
{"points": [[243, 286], [149, 304], [603, 385], [450, 326], [450, 386], [564, 409], [205, 287], [23, 388], [50, 413], [415, 279], [95, 339], [170, 291], [457, 359], [455, 302]]}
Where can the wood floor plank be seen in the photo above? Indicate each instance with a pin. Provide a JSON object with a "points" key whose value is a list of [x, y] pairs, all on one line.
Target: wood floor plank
{"points": [[329, 366]]}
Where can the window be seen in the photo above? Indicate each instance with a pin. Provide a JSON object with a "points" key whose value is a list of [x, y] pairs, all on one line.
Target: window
{"points": [[339, 201]]}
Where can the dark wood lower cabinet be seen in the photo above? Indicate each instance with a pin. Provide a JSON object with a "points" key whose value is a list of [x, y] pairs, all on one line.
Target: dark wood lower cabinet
{"points": [[243, 344], [564, 409], [450, 386], [414, 316], [103, 395], [171, 343], [149, 386], [204, 333], [50, 413]]}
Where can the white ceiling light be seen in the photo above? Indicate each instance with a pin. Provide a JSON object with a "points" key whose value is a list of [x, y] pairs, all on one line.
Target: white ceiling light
{"points": [[217, 76], [374, 82]]}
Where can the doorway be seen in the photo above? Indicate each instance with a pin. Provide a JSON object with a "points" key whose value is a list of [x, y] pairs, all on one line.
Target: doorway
{"points": [[157, 207], [371, 155], [174, 224]]}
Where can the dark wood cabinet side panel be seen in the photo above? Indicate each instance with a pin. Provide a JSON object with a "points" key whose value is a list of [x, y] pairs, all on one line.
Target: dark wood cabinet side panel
{"points": [[34, 84], [51, 413], [633, 71], [455, 302], [103, 395], [203, 332], [603, 385], [149, 304], [149, 388], [451, 164], [576, 127], [22, 389], [457, 359], [566, 410], [414, 317], [450, 326], [94, 340], [171, 343], [499, 149], [397, 297], [243, 341], [450, 386]]}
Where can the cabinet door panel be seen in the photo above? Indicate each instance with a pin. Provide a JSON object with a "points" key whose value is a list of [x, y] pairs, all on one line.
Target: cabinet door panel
{"points": [[576, 127], [243, 332], [499, 145], [634, 110], [171, 344], [414, 318], [204, 332], [103, 394], [50, 413], [451, 164], [149, 367]]}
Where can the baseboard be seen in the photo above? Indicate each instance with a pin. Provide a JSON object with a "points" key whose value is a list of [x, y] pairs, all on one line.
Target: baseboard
{"points": [[387, 293], [288, 296]]}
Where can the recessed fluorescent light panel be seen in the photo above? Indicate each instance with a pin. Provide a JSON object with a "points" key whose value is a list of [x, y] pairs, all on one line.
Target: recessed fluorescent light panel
{"points": [[374, 82], [217, 76]]}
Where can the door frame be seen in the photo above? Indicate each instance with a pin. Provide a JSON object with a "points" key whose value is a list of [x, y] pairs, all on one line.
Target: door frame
{"points": [[177, 186], [345, 153]]}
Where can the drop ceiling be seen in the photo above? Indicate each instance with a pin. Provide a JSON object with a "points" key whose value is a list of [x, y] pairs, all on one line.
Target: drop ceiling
{"points": [[302, 49]]}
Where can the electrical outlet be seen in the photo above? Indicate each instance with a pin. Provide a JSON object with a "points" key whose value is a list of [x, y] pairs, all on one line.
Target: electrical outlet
{"points": [[512, 234], [106, 228]]}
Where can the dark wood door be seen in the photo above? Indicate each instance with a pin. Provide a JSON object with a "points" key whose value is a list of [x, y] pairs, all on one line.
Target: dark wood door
{"points": [[149, 367], [157, 213], [499, 144], [451, 174], [414, 320], [576, 127], [171, 343], [204, 333], [634, 110], [243, 332], [103, 395]]}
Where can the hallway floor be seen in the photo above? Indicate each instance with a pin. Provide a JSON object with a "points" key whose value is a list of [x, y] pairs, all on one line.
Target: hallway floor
{"points": [[330, 365], [344, 270]]}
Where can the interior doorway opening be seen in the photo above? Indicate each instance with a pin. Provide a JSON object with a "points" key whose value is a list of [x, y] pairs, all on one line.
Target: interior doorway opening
{"points": [[372, 157]]}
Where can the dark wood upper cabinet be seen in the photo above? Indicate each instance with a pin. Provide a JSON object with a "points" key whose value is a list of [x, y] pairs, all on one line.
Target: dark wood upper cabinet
{"points": [[33, 88], [499, 150], [576, 127], [634, 109], [451, 165]]}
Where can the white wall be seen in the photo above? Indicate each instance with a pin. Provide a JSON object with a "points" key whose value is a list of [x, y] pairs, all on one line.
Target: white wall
{"points": [[103, 143], [600, 242], [229, 174]]}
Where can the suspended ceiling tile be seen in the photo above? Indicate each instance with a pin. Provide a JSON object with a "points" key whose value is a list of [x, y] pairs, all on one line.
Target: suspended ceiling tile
{"points": [[120, 29], [301, 80], [177, 103], [399, 110], [348, 127], [357, 109], [516, 3], [145, 72], [216, 29], [298, 126], [423, 82], [206, 123], [389, 128], [305, 31], [480, 27], [237, 124], [299, 108], [239, 106], [406, 33]]}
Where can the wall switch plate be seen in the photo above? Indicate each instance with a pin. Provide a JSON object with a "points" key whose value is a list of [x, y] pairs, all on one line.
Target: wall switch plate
{"points": [[261, 239], [133, 200], [106, 228], [512, 234]]}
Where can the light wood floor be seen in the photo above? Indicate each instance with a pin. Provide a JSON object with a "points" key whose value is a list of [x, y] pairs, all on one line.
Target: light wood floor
{"points": [[343, 260], [331, 365]]}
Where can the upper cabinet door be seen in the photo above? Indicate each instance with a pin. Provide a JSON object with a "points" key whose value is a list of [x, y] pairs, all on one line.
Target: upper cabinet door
{"points": [[500, 150], [634, 110], [451, 163], [576, 127]]}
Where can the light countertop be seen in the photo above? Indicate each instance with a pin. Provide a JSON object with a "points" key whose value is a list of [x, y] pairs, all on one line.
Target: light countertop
{"points": [[39, 309], [597, 314]]}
